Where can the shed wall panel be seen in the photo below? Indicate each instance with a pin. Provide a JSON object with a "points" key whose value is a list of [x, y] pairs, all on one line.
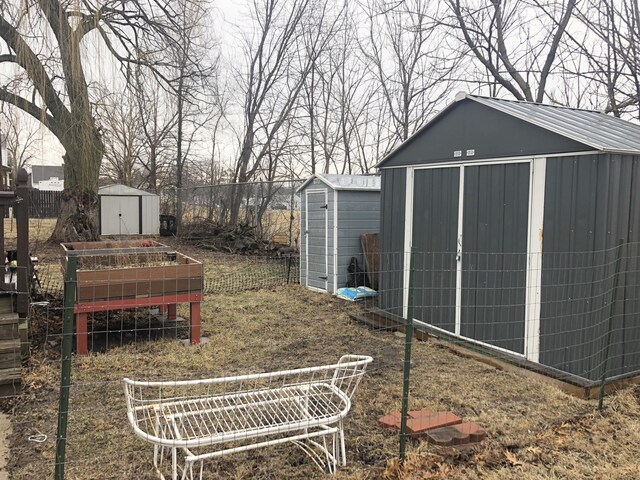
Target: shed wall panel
{"points": [[392, 224], [590, 203], [358, 213], [150, 215]]}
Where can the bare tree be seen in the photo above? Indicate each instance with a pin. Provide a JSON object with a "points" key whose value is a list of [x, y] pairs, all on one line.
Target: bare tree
{"points": [[280, 53], [157, 121], [20, 139], [45, 39], [407, 53], [611, 49], [123, 140], [516, 43], [196, 70]]}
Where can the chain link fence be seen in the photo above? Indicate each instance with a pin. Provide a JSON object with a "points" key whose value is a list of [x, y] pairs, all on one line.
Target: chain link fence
{"points": [[268, 211]]}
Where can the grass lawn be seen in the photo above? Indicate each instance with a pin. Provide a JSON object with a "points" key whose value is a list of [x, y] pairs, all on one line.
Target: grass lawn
{"points": [[535, 431]]}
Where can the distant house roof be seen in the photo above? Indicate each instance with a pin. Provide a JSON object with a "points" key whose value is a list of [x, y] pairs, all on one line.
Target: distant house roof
{"points": [[591, 128], [45, 172], [123, 190], [345, 182]]}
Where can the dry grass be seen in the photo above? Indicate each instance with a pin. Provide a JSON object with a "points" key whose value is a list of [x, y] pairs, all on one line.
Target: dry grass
{"points": [[535, 430], [40, 230]]}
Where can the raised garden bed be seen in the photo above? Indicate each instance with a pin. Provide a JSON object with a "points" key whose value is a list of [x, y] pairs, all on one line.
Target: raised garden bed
{"points": [[132, 274], [131, 269]]}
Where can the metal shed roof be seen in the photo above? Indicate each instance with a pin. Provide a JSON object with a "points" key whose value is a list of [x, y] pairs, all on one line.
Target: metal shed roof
{"points": [[123, 190], [597, 129], [345, 182], [594, 129]]}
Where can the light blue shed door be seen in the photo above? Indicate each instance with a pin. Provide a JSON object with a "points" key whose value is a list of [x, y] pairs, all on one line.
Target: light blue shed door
{"points": [[316, 233]]}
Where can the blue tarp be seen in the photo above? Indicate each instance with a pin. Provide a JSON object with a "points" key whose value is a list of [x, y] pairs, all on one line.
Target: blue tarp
{"points": [[355, 294]]}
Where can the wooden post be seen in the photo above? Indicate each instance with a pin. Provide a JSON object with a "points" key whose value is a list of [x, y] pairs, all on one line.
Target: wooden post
{"points": [[172, 311], [82, 344], [194, 320], [22, 222]]}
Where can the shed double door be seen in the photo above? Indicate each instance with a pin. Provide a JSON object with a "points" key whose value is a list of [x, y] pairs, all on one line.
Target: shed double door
{"points": [[120, 215], [469, 235]]}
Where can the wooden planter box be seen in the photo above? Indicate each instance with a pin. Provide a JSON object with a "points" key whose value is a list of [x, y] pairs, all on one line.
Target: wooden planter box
{"points": [[132, 269]]}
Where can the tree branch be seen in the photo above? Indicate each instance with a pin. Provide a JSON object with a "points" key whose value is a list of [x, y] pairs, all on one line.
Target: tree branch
{"points": [[551, 54], [29, 107], [27, 59], [455, 6]]}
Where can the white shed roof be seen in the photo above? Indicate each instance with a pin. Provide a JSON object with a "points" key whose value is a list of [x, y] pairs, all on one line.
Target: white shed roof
{"points": [[123, 190], [345, 182]]}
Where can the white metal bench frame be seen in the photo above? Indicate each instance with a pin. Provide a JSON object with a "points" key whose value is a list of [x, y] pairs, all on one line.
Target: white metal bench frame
{"points": [[226, 415]]}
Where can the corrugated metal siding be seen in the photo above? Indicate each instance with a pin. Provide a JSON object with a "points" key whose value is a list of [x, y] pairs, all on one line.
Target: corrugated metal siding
{"points": [[150, 215], [435, 233], [358, 213], [494, 262], [590, 203], [468, 125], [392, 221]]}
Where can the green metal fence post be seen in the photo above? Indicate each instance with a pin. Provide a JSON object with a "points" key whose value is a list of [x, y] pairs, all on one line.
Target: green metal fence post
{"points": [[65, 376], [408, 337], [612, 311]]}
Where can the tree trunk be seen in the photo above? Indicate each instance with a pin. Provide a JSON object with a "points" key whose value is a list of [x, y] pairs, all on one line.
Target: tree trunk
{"points": [[79, 215], [78, 220]]}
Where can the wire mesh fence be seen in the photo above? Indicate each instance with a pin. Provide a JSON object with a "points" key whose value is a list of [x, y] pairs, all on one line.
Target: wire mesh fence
{"points": [[573, 316], [224, 273], [576, 313]]}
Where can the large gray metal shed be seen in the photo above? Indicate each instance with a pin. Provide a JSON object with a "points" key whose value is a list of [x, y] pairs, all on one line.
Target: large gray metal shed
{"points": [[128, 211], [514, 210], [335, 211]]}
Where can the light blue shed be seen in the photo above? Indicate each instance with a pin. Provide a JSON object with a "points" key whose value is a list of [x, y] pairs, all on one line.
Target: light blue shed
{"points": [[334, 211]]}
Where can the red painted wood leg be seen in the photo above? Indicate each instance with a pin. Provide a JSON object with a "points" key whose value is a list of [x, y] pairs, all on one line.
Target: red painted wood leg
{"points": [[81, 334], [162, 309], [172, 308], [194, 319]]}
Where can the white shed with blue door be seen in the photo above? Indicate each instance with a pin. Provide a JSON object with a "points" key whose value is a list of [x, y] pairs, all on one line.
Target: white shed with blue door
{"points": [[334, 211], [128, 211]]}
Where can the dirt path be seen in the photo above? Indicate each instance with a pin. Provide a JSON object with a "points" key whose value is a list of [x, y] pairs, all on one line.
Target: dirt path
{"points": [[5, 431]]}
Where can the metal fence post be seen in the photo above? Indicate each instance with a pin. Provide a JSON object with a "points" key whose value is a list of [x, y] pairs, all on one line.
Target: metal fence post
{"points": [[65, 376], [408, 337], [612, 308]]}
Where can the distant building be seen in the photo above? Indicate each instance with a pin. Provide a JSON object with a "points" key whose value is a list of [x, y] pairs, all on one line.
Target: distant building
{"points": [[47, 177], [5, 165]]}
